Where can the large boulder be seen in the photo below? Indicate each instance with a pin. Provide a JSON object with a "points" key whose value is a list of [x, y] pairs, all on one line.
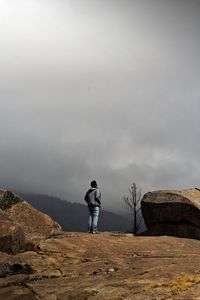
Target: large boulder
{"points": [[22, 227], [172, 212], [12, 238]]}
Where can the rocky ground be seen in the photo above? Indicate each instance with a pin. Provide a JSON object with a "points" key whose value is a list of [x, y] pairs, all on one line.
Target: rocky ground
{"points": [[103, 266]]}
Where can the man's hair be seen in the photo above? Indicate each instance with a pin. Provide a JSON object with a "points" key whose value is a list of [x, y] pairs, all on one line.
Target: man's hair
{"points": [[93, 183]]}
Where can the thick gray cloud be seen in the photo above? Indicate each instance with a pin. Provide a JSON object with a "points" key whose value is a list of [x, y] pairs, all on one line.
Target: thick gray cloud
{"points": [[99, 89]]}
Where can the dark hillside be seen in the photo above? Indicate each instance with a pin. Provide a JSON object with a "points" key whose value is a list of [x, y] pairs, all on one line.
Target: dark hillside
{"points": [[73, 216]]}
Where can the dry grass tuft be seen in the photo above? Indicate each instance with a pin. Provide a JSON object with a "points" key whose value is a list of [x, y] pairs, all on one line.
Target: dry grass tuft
{"points": [[175, 286], [183, 283], [51, 261]]}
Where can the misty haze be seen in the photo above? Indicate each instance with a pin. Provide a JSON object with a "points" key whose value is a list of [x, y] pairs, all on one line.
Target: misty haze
{"points": [[97, 89]]}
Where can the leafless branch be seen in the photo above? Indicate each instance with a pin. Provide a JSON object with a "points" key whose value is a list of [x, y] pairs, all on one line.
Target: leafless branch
{"points": [[133, 201]]}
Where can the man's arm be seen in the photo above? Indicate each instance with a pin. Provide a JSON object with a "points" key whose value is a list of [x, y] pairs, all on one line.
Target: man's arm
{"points": [[86, 197]]}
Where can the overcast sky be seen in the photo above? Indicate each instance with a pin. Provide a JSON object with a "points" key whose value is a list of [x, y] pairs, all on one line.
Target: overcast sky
{"points": [[99, 89]]}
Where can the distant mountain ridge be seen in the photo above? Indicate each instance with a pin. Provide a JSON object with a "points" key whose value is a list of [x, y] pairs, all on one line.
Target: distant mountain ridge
{"points": [[74, 216]]}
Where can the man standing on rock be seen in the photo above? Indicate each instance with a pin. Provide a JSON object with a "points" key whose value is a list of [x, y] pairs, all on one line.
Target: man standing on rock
{"points": [[93, 199]]}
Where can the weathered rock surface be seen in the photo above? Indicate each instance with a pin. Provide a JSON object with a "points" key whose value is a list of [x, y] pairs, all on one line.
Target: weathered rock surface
{"points": [[112, 266], [12, 238], [22, 226], [172, 212]]}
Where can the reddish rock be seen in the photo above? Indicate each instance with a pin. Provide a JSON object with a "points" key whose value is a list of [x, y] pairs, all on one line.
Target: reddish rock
{"points": [[105, 266], [171, 212], [22, 226], [12, 238]]}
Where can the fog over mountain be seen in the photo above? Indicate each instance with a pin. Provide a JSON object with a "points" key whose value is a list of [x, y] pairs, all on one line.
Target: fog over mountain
{"points": [[74, 216], [99, 89]]}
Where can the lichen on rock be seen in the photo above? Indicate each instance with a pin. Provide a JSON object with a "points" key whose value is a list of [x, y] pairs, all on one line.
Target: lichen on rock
{"points": [[7, 199]]}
